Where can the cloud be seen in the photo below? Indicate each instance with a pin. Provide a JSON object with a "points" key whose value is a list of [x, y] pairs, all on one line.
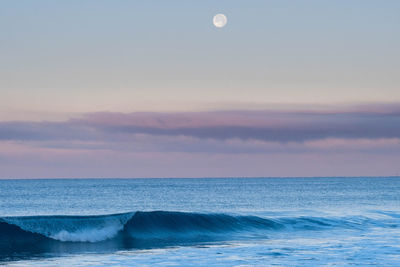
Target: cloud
{"points": [[353, 141], [267, 126]]}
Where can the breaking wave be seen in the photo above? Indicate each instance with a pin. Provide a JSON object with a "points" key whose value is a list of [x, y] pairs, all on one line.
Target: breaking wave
{"points": [[38, 234]]}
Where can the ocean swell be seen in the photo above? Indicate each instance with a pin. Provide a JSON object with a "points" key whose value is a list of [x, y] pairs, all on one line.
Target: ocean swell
{"points": [[152, 229]]}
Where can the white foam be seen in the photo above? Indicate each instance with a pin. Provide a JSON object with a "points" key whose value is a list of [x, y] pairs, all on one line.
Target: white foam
{"points": [[88, 235]]}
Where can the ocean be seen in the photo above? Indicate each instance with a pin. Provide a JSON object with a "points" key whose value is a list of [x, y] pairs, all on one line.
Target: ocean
{"points": [[201, 222]]}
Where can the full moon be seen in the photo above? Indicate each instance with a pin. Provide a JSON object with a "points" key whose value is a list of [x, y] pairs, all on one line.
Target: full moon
{"points": [[220, 20]]}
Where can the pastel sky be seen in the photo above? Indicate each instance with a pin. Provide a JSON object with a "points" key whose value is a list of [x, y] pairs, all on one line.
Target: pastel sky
{"points": [[152, 89]]}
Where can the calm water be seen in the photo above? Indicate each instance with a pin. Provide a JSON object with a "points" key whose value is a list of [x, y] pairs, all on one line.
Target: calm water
{"points": [[223, 222]]}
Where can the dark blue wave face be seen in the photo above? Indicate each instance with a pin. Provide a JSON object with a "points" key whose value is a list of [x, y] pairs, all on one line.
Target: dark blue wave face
{"points": [[22, 237]]}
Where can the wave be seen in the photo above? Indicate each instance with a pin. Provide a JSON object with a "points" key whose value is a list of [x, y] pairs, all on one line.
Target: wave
{"points": [[151, 229], [72, 228]]}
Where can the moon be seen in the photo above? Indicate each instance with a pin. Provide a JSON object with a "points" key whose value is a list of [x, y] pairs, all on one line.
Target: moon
{"points": [[220, 20]]}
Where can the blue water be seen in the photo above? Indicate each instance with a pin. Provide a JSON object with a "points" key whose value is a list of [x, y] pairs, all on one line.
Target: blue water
{"points": [[201, 222]]}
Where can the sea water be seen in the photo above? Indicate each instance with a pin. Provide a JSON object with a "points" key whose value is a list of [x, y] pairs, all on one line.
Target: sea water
{"points": [[201, 222]]}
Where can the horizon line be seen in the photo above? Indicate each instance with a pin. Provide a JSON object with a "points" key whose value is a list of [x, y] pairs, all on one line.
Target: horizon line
{"points": [[216, 177]]}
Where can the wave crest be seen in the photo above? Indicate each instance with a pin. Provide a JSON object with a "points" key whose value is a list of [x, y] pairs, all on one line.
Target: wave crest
{"points": [[133, 226]]}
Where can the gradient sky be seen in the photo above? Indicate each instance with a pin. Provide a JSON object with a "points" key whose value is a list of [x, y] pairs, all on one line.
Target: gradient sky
{"points": [[153, 89]]}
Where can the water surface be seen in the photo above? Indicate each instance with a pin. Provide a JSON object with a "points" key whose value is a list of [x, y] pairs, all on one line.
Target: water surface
{"points": [[223, 222]]}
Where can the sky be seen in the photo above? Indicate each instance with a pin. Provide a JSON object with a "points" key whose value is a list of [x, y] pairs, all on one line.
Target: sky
{"points": [[154, 89]]}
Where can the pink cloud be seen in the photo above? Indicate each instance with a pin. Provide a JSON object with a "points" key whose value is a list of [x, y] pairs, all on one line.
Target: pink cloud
{"points": [[229, 143]]}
